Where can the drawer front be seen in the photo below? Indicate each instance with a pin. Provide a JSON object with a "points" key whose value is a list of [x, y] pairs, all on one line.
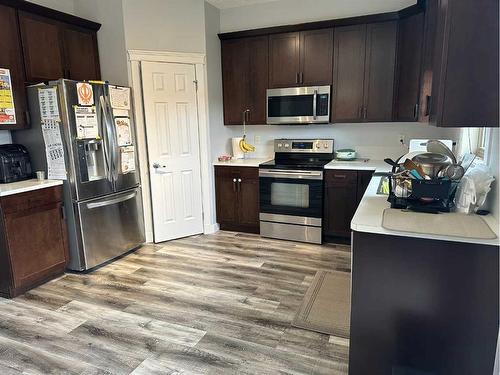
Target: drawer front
{"points": [[341, 178], [31, 199]]}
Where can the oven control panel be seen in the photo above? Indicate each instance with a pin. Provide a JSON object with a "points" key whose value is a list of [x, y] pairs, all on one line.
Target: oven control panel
{"points": [[324, 146]]}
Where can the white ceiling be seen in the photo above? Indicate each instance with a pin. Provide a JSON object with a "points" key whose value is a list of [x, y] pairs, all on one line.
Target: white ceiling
{"points": [[224, 4]]}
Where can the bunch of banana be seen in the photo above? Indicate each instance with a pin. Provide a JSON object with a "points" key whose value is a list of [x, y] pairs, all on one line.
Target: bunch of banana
{"points": [[246, 147]]}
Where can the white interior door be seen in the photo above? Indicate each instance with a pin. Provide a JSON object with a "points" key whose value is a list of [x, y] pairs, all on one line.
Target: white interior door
{"points": [[173, 149]]}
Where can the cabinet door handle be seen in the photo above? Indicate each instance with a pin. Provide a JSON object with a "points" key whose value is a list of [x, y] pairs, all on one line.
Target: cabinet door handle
{"points": [[415, 112], [360, 110], [301, 77], [339, 176], [239, 185], [234, 184], [427, 105], [365, 111], [297, 77]]}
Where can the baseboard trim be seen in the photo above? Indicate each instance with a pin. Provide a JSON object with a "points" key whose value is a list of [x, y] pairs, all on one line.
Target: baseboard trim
{"points": [[211, 228]]}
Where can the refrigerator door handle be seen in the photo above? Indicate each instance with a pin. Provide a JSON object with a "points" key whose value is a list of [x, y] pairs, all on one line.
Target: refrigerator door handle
{"points": [[111, 201], [116, 149], [110, 142]]}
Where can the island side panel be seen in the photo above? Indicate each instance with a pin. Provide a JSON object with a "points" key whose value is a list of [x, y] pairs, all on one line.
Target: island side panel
{"points": [[427, 305]]}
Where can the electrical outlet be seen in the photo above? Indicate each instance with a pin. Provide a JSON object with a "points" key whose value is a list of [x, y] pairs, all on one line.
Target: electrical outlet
{"points": [[402, 139], [256, 140]]}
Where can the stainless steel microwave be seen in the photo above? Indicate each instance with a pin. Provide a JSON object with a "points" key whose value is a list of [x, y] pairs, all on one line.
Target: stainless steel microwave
{"points": [[298, 105]]}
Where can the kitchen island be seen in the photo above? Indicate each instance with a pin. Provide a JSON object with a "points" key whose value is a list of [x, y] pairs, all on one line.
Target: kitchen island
{"points": [[421, 303]]}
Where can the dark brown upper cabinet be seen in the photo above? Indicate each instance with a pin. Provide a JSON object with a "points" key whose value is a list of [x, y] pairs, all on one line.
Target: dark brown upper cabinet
{"points": [[348, 73], [301, 58], [409, 62], [363, 72], [380, 61], [42, 46], [245, 78], [81, 54], [54, 50], [11, 58], [465, 89]]}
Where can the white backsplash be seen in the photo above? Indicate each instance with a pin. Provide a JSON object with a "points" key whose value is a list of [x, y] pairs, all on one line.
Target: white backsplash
{"points": [[5, 137], [370, 140]]}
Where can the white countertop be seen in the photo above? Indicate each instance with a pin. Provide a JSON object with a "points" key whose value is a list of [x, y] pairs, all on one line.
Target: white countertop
{"points": [[360, 165], [26, 185], [250, 162], [369, 215]]}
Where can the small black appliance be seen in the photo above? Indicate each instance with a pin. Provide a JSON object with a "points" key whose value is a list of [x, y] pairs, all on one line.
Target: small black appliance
{"points": [[15, 164]]}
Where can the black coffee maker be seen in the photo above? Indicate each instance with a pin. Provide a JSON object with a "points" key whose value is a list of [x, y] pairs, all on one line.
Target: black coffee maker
{"points": [[15, 164]]}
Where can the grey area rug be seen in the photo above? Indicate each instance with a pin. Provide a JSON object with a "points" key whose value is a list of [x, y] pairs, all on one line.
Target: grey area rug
{"points": [[326, 307]]}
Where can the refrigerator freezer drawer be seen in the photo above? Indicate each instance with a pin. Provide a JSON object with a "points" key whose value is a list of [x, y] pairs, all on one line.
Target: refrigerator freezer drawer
{"points": [[110, 226]]}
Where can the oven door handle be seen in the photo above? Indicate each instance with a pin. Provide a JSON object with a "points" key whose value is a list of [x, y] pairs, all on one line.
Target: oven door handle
{"points": [[306, 175]]}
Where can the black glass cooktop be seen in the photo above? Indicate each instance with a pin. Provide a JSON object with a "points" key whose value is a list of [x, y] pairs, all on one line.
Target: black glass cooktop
{"points": [[316, 162]]}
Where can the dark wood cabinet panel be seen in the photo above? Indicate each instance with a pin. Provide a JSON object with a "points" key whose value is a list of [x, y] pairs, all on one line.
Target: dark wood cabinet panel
{"points": [[465, 87], [284, 60], [417, 303], [316, 57], [33, 240], [234, 75], [42, 46], [226, 195], [54, 50], [11, 58], [427, 68], [363, 181], [348, 73], [237, 198], [409, 62], [248, 199], [340, 202], [81, 53], [257, 79], [245, 78], [379, 71]]}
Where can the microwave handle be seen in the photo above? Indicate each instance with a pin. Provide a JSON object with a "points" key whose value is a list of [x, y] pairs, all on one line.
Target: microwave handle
{"points": [[315, 104]]}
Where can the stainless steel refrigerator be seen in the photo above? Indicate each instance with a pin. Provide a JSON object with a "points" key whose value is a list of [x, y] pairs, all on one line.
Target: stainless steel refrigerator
{"points": [[102, 192]]}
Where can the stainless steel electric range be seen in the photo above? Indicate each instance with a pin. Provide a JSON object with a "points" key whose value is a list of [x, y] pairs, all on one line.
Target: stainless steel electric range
{"points": [[291, 189]]}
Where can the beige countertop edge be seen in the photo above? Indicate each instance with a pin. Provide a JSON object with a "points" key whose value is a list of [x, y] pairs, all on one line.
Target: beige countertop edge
{"points": [[26, 185], [368, 219]]}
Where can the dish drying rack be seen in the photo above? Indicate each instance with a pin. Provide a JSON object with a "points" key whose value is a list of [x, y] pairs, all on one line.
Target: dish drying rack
{"points": [[432, 196]]}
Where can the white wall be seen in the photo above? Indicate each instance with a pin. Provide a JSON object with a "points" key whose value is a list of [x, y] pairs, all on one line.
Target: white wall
{"points": [[219, 135], [165, 25], [66, 6], [371, 140], [285, 12], [111, 36]]}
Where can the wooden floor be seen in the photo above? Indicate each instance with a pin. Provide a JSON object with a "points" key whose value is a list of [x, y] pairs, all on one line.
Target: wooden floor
{"points": [[210, 304]]}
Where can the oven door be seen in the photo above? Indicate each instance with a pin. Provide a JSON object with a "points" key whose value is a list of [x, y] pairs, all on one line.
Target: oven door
{"points": [[291, 193], [298, 105]]}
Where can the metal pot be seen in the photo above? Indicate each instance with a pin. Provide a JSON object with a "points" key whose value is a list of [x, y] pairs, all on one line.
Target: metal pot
{"points": [[432, 163]]}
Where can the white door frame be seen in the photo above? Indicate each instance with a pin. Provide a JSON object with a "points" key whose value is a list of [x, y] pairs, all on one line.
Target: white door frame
{"points": [[136, 57]]}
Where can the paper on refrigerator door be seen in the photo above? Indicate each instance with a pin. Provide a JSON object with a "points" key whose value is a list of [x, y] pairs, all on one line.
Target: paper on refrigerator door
{"points": [[85, 93], [49, 109], [122, 125], [86, 122], [119, 97], [127, 159], [7, 109], [54, 150]]}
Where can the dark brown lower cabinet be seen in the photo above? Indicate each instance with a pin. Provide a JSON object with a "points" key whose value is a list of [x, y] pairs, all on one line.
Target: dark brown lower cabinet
{"points": [[343, 192], [421, 306], [33, 244], [237, 198]]}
